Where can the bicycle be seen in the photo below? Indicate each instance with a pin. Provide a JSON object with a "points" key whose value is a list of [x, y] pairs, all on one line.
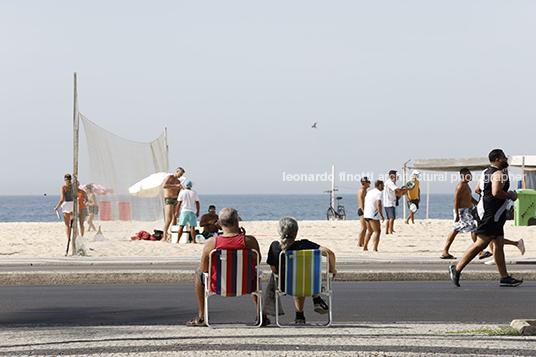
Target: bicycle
{"points": [[337, 212]]}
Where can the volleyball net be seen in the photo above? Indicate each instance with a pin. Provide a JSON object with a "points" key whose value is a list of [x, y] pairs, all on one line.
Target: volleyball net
{"points": [[115, 164]]}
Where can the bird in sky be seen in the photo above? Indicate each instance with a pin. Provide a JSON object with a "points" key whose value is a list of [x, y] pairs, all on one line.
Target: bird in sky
{"points": [[314, 125]]}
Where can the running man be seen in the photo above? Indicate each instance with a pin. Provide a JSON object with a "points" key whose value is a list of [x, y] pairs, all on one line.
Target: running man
{"points": [[493, 186], [463, 219]]}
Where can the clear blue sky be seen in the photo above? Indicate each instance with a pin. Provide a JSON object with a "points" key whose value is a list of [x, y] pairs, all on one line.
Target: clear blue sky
{"points": [[238, 84]]}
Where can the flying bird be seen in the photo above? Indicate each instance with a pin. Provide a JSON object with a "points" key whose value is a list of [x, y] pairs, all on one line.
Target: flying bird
{"points": [[314, 125]]}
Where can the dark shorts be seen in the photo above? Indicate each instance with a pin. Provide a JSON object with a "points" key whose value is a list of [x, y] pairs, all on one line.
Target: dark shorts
{"points": [[172, 201], [93, 209], [416, 202], [390, 212], [359, 212], [201, 277], [488, 227], [368, 219]]}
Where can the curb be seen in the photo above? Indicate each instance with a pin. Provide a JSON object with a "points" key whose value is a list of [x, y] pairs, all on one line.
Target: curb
{"points": [[182, 276]]}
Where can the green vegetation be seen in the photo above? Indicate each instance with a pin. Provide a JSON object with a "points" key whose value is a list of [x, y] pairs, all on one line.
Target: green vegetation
{"points": [[499, 331]]}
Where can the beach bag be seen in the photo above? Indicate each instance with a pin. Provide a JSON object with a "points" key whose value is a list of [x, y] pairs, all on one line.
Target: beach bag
{"points": [[268, 302], [157, 235], [143, 235]]}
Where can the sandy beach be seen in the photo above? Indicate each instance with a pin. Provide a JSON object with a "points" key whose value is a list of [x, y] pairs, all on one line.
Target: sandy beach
{"points": [[424, 239]]}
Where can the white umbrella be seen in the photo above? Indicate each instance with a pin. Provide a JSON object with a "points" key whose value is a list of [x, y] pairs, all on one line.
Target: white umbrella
{"points": [[150, 186]]}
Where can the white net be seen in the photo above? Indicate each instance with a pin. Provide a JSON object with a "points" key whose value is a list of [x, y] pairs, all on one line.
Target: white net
{"points": [[116, 164]]}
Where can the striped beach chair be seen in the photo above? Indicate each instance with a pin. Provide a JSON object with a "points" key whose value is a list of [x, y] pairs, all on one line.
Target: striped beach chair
{"points": [[235, 274], [303, 273]]}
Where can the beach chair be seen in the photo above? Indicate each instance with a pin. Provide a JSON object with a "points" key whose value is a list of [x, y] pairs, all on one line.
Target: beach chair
{"points": [[303, 273], [236, 274]]}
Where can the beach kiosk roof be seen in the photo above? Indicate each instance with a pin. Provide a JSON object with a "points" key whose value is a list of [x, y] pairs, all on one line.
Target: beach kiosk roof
{"points": [[473, 164], [526, 162]]}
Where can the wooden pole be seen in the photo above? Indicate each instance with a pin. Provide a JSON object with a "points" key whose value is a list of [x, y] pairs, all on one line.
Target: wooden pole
{"points": [[333, 186], [523, 172], [166, 169], [76, 122], [427, 197], [404, 180]]}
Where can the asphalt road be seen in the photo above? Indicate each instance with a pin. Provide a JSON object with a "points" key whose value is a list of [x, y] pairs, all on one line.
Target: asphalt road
{"points": [[353, 302]]}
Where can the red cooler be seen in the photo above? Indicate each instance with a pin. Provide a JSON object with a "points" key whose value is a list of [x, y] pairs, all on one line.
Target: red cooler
{"points": [[105, 210], [124, 211]]}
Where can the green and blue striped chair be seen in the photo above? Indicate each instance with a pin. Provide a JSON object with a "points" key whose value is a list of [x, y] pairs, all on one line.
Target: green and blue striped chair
{"points": [[303, 273]]}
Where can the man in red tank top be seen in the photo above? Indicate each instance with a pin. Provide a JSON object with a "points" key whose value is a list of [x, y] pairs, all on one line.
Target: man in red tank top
{"points": [[233, 237]]}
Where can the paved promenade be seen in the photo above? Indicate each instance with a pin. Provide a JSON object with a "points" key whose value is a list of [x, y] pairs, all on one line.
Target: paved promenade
{"points": [[362, 339]]}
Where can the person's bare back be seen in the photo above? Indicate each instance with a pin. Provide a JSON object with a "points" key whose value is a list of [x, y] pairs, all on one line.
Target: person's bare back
{"points": [[361, 193]]}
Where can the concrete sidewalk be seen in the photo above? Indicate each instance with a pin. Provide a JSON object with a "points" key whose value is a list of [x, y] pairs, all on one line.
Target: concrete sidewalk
{"points": [[363, 339], [89, 270]]}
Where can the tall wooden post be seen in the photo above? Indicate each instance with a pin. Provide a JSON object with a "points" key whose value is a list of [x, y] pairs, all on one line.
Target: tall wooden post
{"points": [[76, 122], [333, 187]]}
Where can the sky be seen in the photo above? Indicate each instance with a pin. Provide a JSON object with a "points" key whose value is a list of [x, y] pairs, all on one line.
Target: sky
{"points": [[238, 84]]}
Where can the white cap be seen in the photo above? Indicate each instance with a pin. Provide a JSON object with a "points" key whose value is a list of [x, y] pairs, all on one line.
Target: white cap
{"points": [[415, 173]]}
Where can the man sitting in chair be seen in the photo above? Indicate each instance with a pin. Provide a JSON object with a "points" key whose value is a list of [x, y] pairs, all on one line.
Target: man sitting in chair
{"points": [[288, 230], [233, 237]]}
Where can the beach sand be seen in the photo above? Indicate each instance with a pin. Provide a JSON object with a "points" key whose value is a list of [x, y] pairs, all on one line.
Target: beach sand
{"points": [[424, 240]]}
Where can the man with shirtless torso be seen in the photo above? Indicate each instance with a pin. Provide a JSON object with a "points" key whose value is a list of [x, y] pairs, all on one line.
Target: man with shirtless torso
{"points": [[172, 187], [463, 219], [361, 193]]}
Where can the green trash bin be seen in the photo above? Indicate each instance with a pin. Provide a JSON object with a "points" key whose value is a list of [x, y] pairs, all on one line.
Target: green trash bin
{"points": [[524, 206]]}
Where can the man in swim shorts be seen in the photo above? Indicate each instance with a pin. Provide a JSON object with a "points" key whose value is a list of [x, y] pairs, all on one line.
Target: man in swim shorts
{"points": [[172, 187], [493, 187], [361, 193], [463, 218], [373, 213]]}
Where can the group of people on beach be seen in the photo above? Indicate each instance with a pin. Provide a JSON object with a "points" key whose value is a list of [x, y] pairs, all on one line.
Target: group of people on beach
{"points": [[88, 206], [384, 196], [489, 212], [235, 237]]}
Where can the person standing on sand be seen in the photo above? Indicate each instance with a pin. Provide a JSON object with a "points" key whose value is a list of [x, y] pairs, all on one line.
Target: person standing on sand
{"points": [[414, 197], [66, 203], [493, 186], [390, 194], [172, 187], [82, 207], [93, 207], [188, 204], [361, 193], [372, 214]]}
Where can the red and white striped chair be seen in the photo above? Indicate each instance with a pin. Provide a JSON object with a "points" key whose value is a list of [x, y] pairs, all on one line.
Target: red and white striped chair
{"points": [[234, 273]]}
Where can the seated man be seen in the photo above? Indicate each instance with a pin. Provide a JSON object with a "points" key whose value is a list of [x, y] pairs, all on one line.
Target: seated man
{"points": [[233, 237], [288, 229], [210, 222]]}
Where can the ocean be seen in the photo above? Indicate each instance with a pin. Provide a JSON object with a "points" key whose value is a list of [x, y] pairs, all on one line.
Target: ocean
{"points": [[250, 207]]}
